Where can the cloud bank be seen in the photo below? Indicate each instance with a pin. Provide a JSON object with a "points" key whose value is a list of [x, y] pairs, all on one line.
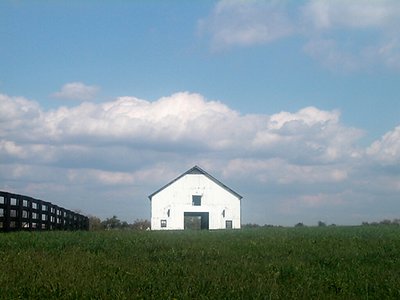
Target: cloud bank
{"points": [[106, 158], [338, 34]]}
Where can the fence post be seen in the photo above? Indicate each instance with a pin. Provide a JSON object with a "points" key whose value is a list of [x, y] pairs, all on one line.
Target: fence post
{"points": [[7, 209], [2, 211], [18, 223]]}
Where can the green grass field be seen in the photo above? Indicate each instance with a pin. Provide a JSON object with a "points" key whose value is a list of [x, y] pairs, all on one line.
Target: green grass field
{"points": [[263, 263]]}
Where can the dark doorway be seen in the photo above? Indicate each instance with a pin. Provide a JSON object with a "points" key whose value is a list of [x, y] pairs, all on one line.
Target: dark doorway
{"points": [[196, 220], [228, 224]]}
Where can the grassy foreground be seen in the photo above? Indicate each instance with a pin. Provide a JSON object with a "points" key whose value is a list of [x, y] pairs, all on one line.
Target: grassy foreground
{"points": [[276, 263]]}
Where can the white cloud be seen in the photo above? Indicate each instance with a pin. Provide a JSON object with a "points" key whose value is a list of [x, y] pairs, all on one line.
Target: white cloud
{"points": [[341, 35], [129, 147], [389, 52], [309, 116], [281, 172], [359, 14], [14, 108], [181, 116], [10, 148], [246, 23], [188, 121], [327, 52], [387, 149], [309, 135], [76, 91], [100, 177], [325, 23]]}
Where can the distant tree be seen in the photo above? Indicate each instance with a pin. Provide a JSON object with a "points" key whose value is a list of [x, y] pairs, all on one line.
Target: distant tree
{"points": [[112, 223], [270, 225], [321, 224], [300, 224], [95, 223], [124, 225], [395, 222], [385, 222], [140, 224]]}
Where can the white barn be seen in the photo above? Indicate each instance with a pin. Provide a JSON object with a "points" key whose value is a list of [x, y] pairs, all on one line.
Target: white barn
{"points": [[195, 200]]}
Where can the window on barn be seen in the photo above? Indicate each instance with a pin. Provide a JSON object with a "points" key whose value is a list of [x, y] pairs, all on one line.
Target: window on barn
{"points": [[1, 212], [228, 224], [163, 223], [196, 200]]}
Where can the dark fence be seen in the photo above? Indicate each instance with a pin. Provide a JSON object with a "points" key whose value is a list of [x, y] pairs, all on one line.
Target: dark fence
{"points": [[18, 212]]}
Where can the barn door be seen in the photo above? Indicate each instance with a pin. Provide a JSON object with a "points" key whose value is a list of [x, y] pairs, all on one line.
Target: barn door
{"points": [[196, 220]]}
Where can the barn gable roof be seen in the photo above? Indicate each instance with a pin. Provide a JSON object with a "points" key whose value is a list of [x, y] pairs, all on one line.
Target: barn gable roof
{"points": [[198, 170]]}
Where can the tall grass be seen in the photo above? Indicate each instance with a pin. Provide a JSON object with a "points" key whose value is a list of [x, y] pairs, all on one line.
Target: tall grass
{"points": [[275, 263]]}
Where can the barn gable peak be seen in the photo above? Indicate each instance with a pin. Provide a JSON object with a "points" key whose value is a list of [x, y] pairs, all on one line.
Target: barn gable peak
{"points": [[197, 170]]}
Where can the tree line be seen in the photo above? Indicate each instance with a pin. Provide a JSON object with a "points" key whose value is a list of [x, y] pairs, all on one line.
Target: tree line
{"points": [[395, 222], [96, 223]]}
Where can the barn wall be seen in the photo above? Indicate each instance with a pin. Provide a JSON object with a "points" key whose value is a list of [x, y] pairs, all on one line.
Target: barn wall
{"points": [[177, 199]]}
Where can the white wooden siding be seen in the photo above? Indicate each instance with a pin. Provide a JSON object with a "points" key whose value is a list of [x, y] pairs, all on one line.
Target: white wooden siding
{"points": [[177, 199]]}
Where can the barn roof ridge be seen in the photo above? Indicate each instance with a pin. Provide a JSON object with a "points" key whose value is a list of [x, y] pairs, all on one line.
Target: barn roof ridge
{"points": [[197, 170]]}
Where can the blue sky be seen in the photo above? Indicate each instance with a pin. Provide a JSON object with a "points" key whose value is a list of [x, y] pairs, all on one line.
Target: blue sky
{"points": [[294, 104]]}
